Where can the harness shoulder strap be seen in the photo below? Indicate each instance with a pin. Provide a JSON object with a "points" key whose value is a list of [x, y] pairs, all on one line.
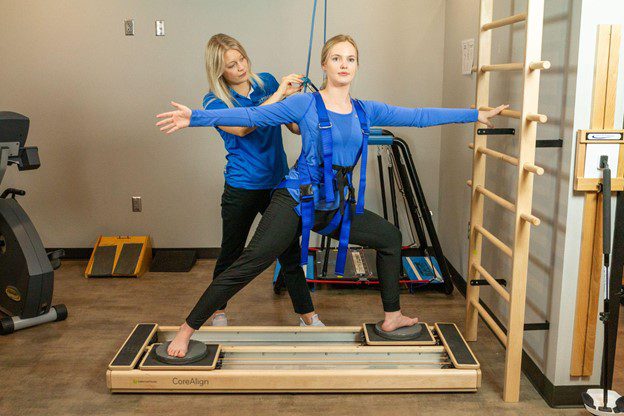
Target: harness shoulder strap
{"points": [[359, 108], [326, 139]]}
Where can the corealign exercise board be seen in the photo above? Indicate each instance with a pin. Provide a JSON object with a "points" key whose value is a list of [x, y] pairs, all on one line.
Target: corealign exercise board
{"points": [[296, 359]]}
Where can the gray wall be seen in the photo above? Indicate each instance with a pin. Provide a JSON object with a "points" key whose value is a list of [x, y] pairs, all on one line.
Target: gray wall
{"points": [[565, 96], [92, 94]]}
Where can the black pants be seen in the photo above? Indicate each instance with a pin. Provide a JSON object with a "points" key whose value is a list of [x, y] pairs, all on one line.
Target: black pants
{"points": [[239, 208], [280, 225]]}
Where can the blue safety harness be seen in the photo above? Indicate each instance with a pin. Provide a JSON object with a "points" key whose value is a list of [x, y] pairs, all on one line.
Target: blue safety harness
{"points": [[333, 177]]}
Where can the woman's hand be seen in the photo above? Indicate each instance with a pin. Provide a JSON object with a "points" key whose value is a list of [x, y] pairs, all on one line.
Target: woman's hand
{"points": [[175, 120], [485, 116], [290, 85]]}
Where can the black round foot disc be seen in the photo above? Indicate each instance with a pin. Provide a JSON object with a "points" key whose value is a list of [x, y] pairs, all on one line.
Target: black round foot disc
{"points": [[405, 333], [196, 351]]}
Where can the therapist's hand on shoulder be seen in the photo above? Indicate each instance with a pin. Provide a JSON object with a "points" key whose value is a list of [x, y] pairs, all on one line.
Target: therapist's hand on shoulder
{"points": [[174, 120]]}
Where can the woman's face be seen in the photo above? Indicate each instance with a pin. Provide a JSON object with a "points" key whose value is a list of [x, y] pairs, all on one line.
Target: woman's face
{"points": [[236, 68], [341, 64]]}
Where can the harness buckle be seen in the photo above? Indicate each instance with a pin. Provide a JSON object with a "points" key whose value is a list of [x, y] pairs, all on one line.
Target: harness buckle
{"points": [[325, 127], [306, 190]]}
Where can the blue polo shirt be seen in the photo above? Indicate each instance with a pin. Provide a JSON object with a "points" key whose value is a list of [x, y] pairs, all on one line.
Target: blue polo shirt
{"points": [[257, 160]]}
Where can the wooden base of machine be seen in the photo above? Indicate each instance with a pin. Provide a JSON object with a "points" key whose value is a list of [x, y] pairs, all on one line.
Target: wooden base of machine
{"points": [[297, 360]]}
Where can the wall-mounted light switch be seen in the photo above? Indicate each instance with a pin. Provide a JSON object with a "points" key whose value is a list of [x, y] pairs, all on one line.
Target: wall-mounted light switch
{"points": [[160, 28], [129, 27], [136, 204]]}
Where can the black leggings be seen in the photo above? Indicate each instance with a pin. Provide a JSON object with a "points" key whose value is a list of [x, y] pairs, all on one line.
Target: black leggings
{"points": [[239, 208], [279, 226]]}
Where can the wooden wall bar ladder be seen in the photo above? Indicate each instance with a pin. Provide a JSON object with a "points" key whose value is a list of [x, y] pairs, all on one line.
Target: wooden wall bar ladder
{"points": [[524, 162]]}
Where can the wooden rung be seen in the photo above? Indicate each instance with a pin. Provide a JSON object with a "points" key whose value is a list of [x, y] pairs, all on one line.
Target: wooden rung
{"points": [[504, 22], [502, 156], [498, 243], [499, 200], [539, 65], [495, 285], [531, 218], [504, 113], [469, 183], [539, 118], [470, 145], [490, 321], [529, 167], [516, 66]]}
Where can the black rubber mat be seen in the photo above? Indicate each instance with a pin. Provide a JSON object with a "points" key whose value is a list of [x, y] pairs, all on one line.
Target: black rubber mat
{"points": [[173, 261], [103, 261], [128, 259], [456, 344], [133, 345]]}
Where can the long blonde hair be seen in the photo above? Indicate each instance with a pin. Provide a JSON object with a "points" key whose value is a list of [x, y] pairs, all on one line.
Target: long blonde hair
{"points": [[330, 44], [216, 48]]}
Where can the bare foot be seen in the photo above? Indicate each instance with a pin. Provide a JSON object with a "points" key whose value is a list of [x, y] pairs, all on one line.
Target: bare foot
{"points": [[396, 320], [179, 346]]}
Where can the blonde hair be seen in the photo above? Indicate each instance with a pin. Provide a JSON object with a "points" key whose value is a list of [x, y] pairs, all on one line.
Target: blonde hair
{"points": [[333, 42], [216, 48]]}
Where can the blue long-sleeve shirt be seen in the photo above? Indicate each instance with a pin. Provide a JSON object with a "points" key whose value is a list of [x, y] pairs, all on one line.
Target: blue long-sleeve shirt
{"points": [[257, 160], [346, 132]]}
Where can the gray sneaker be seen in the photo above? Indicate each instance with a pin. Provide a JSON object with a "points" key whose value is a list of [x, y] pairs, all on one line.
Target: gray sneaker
{"points": [[315, 321], [219, 320]]}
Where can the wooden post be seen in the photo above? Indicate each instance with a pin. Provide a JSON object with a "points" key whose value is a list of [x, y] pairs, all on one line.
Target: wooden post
{"points": [[478, 170], [528, 118], [524, 200]]}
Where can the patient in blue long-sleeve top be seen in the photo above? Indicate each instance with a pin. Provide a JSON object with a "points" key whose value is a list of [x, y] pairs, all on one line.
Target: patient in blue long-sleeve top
{"points": [[317, 194]]}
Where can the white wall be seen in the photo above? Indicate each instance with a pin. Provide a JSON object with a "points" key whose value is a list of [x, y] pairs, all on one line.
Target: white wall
{"points": [[92, 94]]}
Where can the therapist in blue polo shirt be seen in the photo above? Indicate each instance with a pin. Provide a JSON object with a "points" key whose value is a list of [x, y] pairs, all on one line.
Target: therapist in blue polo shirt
{"points": [[256, 162]]}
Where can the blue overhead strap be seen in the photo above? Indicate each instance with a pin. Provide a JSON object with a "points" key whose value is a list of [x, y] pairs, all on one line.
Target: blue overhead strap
{"points": [[307, 73], [305, 88], [325, 22]]}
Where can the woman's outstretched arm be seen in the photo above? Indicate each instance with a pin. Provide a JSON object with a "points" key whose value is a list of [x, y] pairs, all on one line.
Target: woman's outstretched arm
{"points": [[381, 114], [291, 84], [290, 110]]}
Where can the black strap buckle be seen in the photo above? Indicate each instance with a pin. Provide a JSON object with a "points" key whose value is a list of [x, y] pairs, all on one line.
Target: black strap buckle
{"points": [[306, 190]]}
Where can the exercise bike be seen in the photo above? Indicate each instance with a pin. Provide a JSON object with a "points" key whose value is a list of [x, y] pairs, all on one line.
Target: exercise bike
{"points": [[26, 270]]}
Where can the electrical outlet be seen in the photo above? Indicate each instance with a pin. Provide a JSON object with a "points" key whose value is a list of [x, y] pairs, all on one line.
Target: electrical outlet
{"points": [[136, 204], [160, 28], [129, 27]]}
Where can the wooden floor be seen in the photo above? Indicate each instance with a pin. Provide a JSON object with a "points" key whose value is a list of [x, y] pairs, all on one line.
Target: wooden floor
{"points": [[59, 368]]}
